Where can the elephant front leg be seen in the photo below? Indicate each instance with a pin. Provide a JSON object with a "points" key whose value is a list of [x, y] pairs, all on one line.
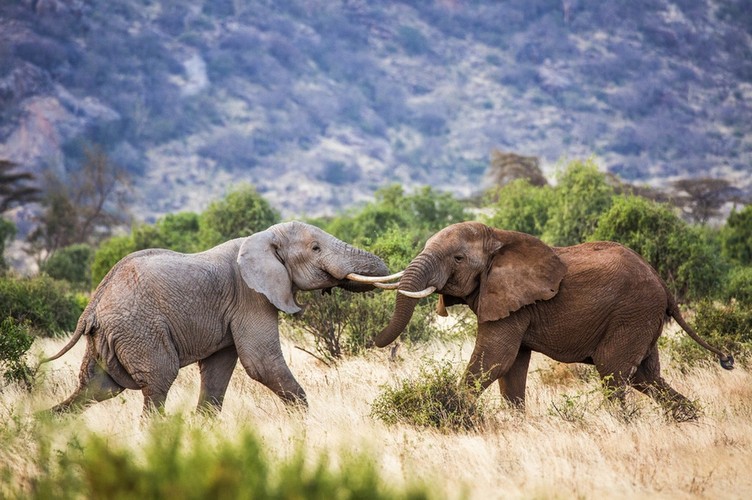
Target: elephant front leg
{"points": [[260, 354], [497, 354], [273, 372], [216, 372]]}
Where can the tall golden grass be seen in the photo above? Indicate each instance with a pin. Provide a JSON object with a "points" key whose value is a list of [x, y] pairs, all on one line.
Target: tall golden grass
{"points": [[568, 443]]}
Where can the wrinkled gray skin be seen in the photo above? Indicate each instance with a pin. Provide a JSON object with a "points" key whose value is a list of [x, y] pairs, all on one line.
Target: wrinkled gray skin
{"points": [[598, 303], [157, 311]]}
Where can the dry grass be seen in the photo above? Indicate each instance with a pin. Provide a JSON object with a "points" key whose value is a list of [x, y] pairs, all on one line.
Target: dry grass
{"points": [[592, 452]]}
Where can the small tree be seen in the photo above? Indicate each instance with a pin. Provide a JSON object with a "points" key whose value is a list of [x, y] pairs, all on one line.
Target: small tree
{"points": [[108, 254], [83, 208], [581, 196], [683, 255], [16, 188], [737, 236], [15, 341], [241, 213], [71, 264], [701, 199], [520, 206]]}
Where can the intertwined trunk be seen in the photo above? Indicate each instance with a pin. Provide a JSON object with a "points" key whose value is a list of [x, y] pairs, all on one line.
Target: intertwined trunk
{"points": [[415, 279]]}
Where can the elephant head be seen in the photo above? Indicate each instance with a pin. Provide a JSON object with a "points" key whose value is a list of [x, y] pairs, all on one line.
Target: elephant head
{"points": [[296, 256], [494, 272]]}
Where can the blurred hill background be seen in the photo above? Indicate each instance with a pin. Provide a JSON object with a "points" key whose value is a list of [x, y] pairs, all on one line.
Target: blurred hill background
{"points": [[318, 103]]}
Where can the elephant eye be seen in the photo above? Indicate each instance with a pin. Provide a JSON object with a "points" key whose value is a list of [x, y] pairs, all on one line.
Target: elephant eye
{"points": [[316, 248], [459, 258]]}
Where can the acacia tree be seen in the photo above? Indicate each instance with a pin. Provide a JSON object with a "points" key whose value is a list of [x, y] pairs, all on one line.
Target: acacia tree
{"points": [[16, 188], [701, 199], [82, 208]]}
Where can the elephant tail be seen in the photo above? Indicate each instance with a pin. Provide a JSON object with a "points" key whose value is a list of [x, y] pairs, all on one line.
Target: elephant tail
{"points": [[84, 327], [726, 360]]}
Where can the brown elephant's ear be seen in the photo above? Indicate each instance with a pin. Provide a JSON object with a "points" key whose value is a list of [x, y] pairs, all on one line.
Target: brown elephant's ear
{"points": [[263, 271], [522, 270]]}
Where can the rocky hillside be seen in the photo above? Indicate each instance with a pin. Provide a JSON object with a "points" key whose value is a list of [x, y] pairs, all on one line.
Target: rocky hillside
{"points": [[320, 102]]}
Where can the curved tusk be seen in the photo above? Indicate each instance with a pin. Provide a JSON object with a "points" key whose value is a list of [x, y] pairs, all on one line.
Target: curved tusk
{"points": [[387, 286], [418, 295], [373, 279]]}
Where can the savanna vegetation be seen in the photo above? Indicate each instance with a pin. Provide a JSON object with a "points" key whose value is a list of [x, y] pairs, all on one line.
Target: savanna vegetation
{"points": [[393, 423]]}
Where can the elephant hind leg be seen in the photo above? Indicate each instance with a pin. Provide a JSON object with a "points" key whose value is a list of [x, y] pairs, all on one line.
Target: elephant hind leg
{"points": [[216, 372], [647, 379], [154, 387], [95, 385]]}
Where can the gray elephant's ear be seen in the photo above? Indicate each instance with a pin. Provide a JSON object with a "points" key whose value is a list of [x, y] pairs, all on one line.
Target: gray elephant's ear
{"points": [[263, 270], [522, 270]]}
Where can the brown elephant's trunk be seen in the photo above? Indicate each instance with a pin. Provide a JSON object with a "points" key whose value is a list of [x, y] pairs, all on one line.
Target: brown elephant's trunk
{"points": [[415, 279]]}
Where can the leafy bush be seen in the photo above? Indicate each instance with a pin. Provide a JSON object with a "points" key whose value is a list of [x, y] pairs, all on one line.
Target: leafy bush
{"points": [[109, 253], [49, 306], [71, 264], [178, 232], [345, 324], [683, 255], [737, 236], [433, 399], [420, 214], [520, 206], [15, 341], [739, 286], [176, 464], [241, 213], [565, 214], [725, 326], [581, 196]]}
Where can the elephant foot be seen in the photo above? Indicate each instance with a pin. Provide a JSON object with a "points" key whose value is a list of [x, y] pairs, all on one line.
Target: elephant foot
{"points": [[684, 411]]}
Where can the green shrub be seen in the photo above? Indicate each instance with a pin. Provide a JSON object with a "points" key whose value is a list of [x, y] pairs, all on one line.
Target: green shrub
{"points": [[71, 264], [419, 215], [520, 206], [49, 306], [15, 341], [581, 196], [241, 213], [345, 323], [739, 286], [725, 326], [433, 399], [177, 464], [684, 256], [737, 236], [108, 254]]}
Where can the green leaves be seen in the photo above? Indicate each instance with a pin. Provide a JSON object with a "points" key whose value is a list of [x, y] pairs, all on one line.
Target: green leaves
{"points": [[432, 399]]}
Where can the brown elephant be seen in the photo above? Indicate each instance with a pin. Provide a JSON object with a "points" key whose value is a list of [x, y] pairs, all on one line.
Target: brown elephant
{"points": [[598, 303]]}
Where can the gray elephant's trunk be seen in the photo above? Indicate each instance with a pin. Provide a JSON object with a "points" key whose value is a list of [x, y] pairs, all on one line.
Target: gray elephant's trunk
{"points": [[415, 279], [356, 261]]}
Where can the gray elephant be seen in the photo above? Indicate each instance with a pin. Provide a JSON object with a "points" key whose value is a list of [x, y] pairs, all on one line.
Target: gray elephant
{"points": [[598, 303], [157, 311]]}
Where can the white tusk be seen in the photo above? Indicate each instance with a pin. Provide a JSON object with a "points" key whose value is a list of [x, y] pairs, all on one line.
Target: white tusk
{"points": [[373, 279], [387, 286], [418, 295]]}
